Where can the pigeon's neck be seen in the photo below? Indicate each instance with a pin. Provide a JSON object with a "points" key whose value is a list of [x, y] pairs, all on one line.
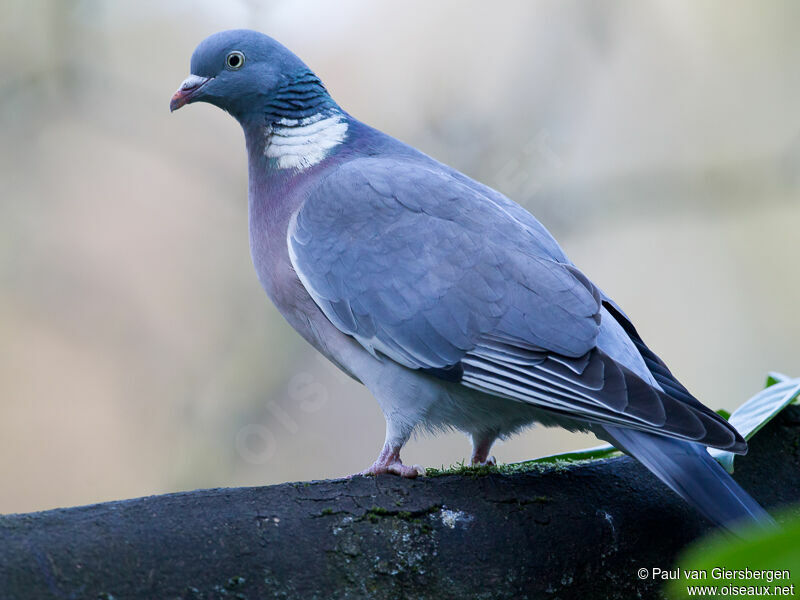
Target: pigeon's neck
{"points": [[301, 143], [295, 132], [300, 97], [303, 124]]}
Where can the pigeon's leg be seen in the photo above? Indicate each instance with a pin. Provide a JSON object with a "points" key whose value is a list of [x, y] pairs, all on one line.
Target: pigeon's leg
{"points": [[388, 460], [481, 444]]}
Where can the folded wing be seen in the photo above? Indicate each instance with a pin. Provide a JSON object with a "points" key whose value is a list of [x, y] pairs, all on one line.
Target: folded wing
{"points": [[428, 271]]}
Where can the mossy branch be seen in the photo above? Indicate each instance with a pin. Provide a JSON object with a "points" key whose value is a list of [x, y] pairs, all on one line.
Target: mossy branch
{"points": [[571, 531]]}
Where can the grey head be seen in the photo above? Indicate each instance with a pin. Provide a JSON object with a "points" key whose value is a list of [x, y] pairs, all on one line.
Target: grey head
{"points": [[249, 74]]}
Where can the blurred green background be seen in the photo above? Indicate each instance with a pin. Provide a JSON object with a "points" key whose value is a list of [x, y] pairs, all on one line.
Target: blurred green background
{"points": [[659, 141]]}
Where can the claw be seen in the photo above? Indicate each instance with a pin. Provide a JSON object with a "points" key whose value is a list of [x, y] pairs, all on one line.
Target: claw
{"points": [[389, 462], [489, 462], [394, 468], [481, 444]]}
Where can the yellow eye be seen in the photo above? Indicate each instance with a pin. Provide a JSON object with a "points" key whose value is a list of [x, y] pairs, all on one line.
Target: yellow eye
{"points": [[234, 60]]}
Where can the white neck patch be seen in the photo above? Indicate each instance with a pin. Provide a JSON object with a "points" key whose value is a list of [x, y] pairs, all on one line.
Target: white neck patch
{"points": [[302, 143]]}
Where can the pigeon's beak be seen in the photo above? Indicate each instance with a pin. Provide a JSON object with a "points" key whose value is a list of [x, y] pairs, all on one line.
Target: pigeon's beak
{"points": [[187, 91]]}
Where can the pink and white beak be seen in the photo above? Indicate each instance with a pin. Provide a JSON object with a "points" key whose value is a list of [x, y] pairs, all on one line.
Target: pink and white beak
{"points": [[187, 91]]}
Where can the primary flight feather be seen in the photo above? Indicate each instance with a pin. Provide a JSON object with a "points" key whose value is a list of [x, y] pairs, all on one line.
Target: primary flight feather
{"points": [[450, 302]]}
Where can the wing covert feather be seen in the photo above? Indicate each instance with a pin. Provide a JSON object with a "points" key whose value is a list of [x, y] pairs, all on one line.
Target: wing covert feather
{"points": [[435, 274], [419, 266]]}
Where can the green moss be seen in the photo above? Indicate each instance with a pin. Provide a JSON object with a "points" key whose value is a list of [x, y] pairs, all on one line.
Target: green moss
{"points": [[483, 470], [379, 511], [376, 513], [533, 465], [539, 465], [463, 470]]}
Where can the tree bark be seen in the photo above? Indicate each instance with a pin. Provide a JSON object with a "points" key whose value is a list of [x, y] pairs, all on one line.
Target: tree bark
{"points": [[577, 531]]}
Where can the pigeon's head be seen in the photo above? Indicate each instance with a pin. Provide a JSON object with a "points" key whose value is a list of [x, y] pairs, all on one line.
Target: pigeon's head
{"points": [[238, 71]]}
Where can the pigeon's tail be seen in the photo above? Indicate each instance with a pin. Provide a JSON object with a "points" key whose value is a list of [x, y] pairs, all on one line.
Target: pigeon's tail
{"points": [[693, 474]]}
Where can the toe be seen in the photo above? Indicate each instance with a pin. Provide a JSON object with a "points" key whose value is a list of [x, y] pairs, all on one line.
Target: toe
{"points": [[419, 470], [375, 469], [404, 470]]}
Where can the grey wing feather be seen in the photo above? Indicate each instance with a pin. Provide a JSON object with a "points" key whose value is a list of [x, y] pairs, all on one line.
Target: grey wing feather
{"points": [[419, 266], [429, 271]]}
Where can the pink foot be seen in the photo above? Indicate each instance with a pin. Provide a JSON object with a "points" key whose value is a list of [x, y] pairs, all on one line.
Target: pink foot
{"points": [[389, 462], [395, 468], [480, 451], [489, 462]]}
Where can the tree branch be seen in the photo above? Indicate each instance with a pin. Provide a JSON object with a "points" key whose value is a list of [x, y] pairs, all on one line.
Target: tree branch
{"points": [[580, 531]]}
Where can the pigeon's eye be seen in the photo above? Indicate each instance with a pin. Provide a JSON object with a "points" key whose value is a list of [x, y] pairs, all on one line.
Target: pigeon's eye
{"points": [[234, 60]]}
